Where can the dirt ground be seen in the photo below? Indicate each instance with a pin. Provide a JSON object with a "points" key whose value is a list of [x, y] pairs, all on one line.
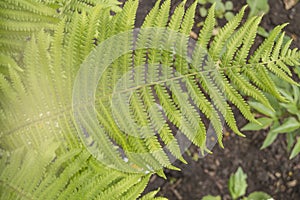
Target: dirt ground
{"points": [[268, 170]]}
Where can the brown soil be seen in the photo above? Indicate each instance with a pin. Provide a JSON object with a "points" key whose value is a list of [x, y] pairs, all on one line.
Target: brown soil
{"points": [[268, 170]]}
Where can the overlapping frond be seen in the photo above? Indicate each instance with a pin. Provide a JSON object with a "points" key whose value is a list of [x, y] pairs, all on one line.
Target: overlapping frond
{"points": [[41, 154], [20, 19], [169, 92], [43, 174]]}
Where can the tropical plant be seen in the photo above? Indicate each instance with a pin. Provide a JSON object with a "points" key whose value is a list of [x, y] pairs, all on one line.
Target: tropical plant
{"points": [[51, 145], [237, 186], [285, 120]]}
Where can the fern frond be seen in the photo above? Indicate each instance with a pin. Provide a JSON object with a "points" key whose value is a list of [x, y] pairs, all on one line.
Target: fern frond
{"points": [[147, 102], [206, 107], [207, 30], [23, 18], [69, 175], [224, 34], [185, 28], [155, 54], [190, 114], [143, 39], [157, 119], [123, 186], [188, 20], [176, 18], [247, 30]]}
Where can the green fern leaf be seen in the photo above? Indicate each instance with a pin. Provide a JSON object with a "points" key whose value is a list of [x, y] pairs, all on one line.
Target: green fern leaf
{"points": [[150, 101]]}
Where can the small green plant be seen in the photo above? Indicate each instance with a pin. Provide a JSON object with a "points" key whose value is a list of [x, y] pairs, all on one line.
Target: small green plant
{"points": [[258, 7], [222, 9], [284, 120], [237, 186]]}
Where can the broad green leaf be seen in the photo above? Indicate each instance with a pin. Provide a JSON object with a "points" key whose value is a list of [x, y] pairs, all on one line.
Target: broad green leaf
{"points": [[210, 197], [271, 136], [290, 138], [261, 31], [296, 149], [282, 85], [265, 122], [290, 107], [228, 5], [296, 91], [237, 184], [275, 104], [262, 109], [287, 94], [259, 196], [203, 11], [151, 196], [297, 70], [290, 125], [229, 16]]}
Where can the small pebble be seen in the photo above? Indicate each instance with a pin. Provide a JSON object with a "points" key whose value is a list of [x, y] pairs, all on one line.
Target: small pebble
{"points": [[271, 176], [292, 183], [218, 163], [193, 35], [226, 134]]}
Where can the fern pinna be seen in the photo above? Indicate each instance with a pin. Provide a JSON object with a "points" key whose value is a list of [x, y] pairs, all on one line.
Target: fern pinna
{"points": [[168, 91]]}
